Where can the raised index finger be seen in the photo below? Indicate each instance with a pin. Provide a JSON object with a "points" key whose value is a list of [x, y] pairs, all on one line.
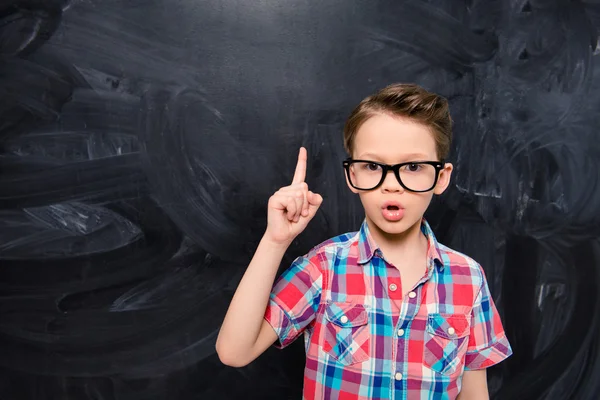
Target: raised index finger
{"points": [[300, 173]]}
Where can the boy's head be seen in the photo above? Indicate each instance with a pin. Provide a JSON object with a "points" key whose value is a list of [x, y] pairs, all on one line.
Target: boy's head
{"points": [[401, 124]]}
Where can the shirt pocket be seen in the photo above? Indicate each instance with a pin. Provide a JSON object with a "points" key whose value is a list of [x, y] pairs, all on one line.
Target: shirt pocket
{"points": [[446, 342], [347, 336]]}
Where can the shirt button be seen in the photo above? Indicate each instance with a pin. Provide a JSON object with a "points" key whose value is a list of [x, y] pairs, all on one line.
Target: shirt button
{"points": [[412, 295], [451, 331], [398, 376], [393, 287], [344, 319], [400, 332]]}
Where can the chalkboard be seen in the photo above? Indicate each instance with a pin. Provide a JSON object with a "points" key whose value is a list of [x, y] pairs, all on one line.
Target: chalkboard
{"points": [[140, 141]]}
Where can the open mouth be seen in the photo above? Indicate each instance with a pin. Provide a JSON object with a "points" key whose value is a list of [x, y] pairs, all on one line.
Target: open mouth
{"points": [[392, 206], [392, 212]]}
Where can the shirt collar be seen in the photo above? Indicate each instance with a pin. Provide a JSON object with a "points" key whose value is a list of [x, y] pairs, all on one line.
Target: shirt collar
{"points": [[367, 246]]}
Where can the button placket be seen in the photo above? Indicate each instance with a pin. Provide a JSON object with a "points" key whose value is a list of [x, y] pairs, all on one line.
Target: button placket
{"points": [[409, 310]]}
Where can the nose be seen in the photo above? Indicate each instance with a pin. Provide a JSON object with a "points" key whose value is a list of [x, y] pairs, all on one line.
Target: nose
{"points": [[391, 184]]}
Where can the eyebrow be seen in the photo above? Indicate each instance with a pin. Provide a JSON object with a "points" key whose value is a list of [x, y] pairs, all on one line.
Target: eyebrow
{"points": [[411, 156]]}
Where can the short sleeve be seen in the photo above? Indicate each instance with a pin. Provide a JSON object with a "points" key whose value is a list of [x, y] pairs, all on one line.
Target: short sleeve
{"points": [[488, 344], [294, 300]]}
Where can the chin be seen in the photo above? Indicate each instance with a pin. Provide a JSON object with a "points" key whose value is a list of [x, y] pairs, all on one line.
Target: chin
{"points": [[394, 227]]}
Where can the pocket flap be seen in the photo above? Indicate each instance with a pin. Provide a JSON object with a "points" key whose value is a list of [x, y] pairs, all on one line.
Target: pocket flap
{"points": [[346, 314], [449, 326]]}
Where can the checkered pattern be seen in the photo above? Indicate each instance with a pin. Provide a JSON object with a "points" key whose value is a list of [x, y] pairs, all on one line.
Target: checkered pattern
{"points": [[364, 340]]}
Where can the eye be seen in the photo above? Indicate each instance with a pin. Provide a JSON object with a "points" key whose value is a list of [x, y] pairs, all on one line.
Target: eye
{"points": [[372, 166], [414, 167]]}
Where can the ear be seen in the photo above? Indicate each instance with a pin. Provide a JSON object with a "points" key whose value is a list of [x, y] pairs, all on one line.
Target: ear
{"points": [[444, 179]]}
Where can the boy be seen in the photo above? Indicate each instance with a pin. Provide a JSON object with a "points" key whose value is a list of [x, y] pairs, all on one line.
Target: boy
{"points": [[387, 312]]}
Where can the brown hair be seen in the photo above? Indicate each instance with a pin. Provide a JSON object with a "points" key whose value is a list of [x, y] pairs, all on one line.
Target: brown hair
{"points": [[405, 100]]}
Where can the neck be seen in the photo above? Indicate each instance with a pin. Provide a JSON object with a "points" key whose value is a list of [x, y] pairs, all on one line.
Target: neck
{"points": [[408, 244]]}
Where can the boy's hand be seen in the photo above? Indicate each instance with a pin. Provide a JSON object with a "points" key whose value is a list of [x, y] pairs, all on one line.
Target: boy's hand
{"points": [[292, 207]]}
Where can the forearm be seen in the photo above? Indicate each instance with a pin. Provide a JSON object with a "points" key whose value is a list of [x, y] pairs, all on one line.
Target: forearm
{"points": [[241, 326]]}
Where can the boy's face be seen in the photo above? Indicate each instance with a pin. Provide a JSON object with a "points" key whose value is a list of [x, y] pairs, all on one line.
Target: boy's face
{"points": [[392, 140]]}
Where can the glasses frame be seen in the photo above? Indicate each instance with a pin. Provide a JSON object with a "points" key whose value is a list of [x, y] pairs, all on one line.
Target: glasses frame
{"points": [[438, 165]]}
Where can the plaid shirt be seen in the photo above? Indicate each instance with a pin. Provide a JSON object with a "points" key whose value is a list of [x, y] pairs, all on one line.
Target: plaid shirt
{"points": [[364, 340]]}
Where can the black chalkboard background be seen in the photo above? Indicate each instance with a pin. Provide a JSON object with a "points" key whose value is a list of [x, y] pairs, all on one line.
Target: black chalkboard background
{"points": [[141, 139]]}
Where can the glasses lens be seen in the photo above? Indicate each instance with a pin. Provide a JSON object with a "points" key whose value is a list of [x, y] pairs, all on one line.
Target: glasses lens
{"points": [[415, 176], [365, 175], [418, 177]]}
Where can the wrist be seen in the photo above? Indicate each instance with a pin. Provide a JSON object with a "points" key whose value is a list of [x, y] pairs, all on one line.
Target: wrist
{"points": [[275, 245]]}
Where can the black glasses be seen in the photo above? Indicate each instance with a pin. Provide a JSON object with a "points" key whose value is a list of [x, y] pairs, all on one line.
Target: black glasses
{"points": [[418, 176]]}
